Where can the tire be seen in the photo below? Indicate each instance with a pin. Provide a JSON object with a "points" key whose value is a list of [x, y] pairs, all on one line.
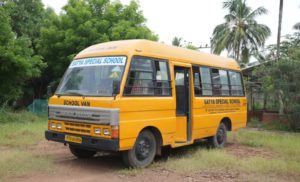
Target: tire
{"points": [[81, 153], [220, 139], [143, 152]]}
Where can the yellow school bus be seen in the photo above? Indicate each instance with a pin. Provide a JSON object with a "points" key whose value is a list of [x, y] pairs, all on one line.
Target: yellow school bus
{"points": [[137, 96]]}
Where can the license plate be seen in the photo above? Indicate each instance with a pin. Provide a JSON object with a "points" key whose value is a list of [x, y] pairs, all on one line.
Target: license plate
{"points": [[74, 139]]}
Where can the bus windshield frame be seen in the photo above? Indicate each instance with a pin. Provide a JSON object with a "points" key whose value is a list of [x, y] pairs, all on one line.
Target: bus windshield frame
{"points": [[92, 76]]}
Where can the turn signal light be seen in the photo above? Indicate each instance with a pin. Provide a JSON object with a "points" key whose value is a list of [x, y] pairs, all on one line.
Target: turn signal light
{"points": [[114, 131]]}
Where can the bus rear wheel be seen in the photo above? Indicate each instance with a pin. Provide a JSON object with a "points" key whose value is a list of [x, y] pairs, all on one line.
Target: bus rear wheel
{"points": [[143, 152], [220, 139], [81, 153]]}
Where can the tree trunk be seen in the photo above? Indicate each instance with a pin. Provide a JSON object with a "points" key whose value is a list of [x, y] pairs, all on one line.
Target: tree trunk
{"points": [[237, 52], [279, 27], [265, 102], [280, 100]]}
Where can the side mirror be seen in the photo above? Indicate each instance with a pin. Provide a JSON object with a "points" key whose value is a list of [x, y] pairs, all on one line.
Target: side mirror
{"points": [[116, 87], [49, 91]]}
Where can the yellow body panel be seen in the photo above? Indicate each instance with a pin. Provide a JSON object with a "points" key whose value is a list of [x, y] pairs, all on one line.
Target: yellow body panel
{"points": [[181, 128], [137, 113]]}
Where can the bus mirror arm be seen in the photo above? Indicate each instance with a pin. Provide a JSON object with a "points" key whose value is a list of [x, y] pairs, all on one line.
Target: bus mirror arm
{"points": [[116, 87]]}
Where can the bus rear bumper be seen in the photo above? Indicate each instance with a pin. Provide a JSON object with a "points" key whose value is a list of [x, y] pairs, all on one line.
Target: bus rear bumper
{"points": [[92, 143]]}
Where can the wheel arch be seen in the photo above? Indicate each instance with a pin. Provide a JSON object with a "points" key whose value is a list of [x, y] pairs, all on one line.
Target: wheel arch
{"points": [[227, 122], [158, 137]]}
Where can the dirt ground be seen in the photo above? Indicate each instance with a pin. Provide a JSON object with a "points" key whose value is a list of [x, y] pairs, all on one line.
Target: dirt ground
{"points": [[109, 167]]}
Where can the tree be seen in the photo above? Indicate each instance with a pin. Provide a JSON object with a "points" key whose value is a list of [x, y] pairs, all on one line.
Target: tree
{"points": [[297, 26], [17, 62], [191, 46], [280, 75], [177, 41], [279, 27], [240, 35], [84, 23], [27, 18]]}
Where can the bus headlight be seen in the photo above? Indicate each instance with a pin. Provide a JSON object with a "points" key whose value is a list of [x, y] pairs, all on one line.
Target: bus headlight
{"points": [[97, 131], [106, 131], [58, 126], [53, 125]]}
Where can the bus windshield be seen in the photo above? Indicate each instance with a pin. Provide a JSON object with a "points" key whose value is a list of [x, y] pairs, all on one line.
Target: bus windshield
{"points": [[92, 76]]}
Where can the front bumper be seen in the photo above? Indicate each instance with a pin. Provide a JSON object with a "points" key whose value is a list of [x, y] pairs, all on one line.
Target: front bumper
{"points": [[88, 142]]}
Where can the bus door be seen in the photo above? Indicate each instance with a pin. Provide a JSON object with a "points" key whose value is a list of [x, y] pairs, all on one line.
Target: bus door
{"points": [[183, 121]]}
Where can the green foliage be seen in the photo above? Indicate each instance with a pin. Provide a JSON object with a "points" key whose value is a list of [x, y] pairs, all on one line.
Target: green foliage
{"points": [[297, 26], [191, 46], [177, 41], [274, 125], [281, 76], [17, 62], [240, 35], [30, 34], [294, 117], [87, 22], [27, 17]]}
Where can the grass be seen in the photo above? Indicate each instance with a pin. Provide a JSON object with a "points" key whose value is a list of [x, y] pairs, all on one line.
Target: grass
{"points": [[18, 131], [20, 128], [19, 162], [284, 164], [285, 144]]}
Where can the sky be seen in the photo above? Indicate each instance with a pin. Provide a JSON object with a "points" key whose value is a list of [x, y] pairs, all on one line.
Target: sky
{"points": [[194, 20]]}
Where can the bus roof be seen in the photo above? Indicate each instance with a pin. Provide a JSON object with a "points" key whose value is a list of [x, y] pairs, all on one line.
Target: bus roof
{"points": [[159, 50]]}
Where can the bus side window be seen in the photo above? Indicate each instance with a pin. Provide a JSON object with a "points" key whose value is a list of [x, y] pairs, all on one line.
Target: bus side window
{"points": [[216, 82], [163, 85], [140, 77], [236, 86], [148, 76], [206, 81], [224, 82], [197, 83]]}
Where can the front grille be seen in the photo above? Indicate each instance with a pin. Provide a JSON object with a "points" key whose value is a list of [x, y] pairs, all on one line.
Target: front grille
{"points": [[84, 114], [78, 128]]}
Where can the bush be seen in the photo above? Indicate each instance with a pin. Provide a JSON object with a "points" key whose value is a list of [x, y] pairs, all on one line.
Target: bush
{"points": [[294, 118]]}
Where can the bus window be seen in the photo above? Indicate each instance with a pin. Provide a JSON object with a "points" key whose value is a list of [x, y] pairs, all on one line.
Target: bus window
{"points": [[236, 84], [197, 84], [206, 81], [216, 86], [148, 77], [224, 82], [140, 77], [162, 86]]}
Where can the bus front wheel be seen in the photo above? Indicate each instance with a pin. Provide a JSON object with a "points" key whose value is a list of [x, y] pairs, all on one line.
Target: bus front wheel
{"points": [[220, 139], [143, 152]]}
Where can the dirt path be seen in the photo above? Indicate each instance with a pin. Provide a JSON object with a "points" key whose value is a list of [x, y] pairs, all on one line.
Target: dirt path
{"points": [[109, 167]]}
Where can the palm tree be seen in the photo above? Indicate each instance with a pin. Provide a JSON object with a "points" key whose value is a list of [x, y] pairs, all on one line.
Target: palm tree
{"points": [[240, 35], [279, 27]]}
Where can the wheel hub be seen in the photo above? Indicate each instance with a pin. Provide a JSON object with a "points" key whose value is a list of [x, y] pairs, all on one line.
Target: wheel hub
{"points": [[143, 149], [220, 136]]}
